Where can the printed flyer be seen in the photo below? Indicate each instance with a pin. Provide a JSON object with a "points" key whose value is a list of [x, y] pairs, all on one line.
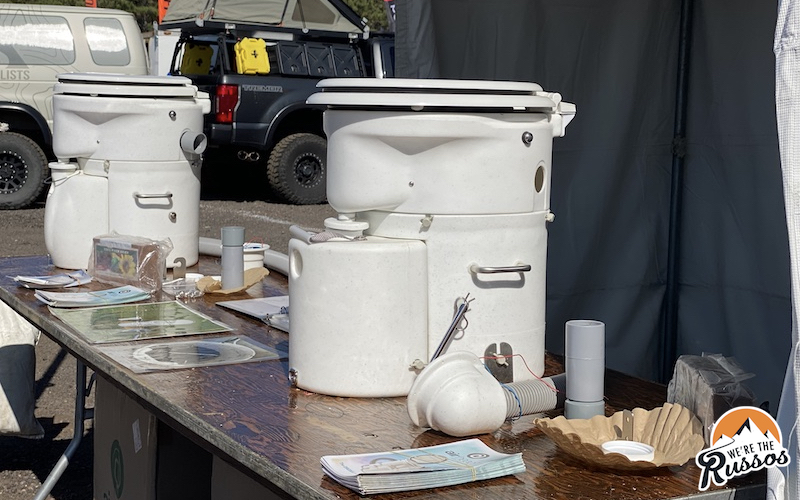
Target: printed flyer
{"points": [[123, 323]]}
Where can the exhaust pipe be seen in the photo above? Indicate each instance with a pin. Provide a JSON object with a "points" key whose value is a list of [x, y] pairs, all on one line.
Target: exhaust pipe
{"points": [[248, 155]]}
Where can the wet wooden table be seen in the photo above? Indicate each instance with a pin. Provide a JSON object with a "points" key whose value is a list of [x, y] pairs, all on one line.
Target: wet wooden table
{"points": [[250, 416]]}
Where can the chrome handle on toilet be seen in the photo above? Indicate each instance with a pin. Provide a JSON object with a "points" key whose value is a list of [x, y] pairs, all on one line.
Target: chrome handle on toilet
{"points": [[149, 196], [519, 268]]}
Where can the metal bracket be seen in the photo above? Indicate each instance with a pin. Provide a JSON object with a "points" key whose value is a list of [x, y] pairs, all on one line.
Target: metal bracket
{"points": [[500, 362], [179, 271], [627, 425]]}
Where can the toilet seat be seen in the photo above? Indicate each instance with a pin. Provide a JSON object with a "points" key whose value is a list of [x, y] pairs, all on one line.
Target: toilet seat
{"points": [[435, 95], [113, 85], [431, 86]]}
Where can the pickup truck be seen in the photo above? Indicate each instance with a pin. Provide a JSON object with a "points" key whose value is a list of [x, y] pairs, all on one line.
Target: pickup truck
{"points": [[259, 117]]}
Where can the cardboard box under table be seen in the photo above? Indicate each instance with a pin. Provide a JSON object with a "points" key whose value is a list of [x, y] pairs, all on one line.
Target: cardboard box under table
{"points": [[124, 446]]}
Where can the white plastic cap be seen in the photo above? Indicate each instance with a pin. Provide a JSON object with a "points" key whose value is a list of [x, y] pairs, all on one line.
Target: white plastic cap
{"points": [[634, 450]]}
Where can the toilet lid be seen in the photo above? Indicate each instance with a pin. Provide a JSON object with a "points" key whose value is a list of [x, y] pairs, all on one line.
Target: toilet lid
{"points": [[433, 94], [431, 86], [106, 84]]}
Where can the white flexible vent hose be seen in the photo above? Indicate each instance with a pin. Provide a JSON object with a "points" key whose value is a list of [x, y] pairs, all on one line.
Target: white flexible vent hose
{"points": [[535, 396]]}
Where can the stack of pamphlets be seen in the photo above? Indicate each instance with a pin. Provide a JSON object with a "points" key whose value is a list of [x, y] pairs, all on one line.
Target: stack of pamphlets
{"points": [[420, 468], [119, 295], [65, 280]]}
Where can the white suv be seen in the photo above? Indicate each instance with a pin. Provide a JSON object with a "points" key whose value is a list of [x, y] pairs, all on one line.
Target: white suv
{"points": [[37, 43]]}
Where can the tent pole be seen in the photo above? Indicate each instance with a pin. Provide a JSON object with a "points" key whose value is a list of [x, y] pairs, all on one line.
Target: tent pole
{"points": [[669, 337]]}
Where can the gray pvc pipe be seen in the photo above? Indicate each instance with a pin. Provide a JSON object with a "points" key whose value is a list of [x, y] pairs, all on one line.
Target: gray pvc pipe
{"points": [[535, 396], [584, 361], [272, 259]]}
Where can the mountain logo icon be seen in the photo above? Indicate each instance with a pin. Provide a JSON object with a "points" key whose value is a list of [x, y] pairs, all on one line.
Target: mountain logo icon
{"points": [[745, 419]]}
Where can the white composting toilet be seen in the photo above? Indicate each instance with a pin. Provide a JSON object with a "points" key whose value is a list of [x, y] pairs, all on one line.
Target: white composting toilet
{"points": [[442, 189], [128, 150]]}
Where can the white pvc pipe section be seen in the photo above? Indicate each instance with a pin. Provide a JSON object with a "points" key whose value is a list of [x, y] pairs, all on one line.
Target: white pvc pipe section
{"points": [[300, 234], [272, 259], [193, 142]]}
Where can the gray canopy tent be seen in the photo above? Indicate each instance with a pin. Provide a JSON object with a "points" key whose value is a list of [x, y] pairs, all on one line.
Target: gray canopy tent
{"points": [[670, 223]]}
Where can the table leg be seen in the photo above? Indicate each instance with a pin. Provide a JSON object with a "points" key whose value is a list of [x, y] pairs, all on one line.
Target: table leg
{"points": [[81, 392]]}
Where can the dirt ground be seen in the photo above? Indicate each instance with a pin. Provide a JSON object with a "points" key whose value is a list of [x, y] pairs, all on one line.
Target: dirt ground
{"points": [[24, 464]]}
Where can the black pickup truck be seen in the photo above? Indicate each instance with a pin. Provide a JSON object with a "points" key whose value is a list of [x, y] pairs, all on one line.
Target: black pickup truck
{"points": [[260, 119]]}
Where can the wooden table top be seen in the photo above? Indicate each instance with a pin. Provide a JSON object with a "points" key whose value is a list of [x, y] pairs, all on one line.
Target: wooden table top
{"points": [[250, 415]]}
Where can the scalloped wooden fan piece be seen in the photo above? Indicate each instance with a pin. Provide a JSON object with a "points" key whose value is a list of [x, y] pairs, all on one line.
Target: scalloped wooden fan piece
{"points": [[674, 432]]}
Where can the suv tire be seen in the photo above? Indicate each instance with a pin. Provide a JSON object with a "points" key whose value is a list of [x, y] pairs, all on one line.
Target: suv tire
{"points": [[297, 169], [23, 171]]}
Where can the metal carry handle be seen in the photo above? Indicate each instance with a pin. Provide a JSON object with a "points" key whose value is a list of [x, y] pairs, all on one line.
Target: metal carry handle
{"points": [[519, 268], [141, 196]]}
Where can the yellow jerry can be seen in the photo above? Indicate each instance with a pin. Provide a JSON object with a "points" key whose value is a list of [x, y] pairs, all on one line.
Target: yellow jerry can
{"points": [[196, 59], [251, 56]]}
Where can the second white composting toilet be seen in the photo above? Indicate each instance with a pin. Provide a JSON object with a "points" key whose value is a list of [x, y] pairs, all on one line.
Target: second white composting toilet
{"points": [[128, 150]]}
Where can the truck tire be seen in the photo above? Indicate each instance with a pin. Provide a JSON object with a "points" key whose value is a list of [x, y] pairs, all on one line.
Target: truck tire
{"points": [[23, 171], [296, 169]]}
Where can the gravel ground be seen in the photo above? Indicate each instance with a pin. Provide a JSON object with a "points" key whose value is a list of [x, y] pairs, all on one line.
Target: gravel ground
{"points": [[24, 464]]}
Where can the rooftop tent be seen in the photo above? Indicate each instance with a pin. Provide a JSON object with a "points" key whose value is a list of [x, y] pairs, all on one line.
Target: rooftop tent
{"points": [[317, 15], [670, 223]]}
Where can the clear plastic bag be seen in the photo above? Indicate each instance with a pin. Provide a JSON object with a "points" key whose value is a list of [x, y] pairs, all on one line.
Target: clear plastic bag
{"points": [[130, 260], [709, 385]]}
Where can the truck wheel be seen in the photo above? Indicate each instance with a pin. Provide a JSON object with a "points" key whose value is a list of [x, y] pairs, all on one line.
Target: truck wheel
{"points": [[23, 171], [296, 169]]}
